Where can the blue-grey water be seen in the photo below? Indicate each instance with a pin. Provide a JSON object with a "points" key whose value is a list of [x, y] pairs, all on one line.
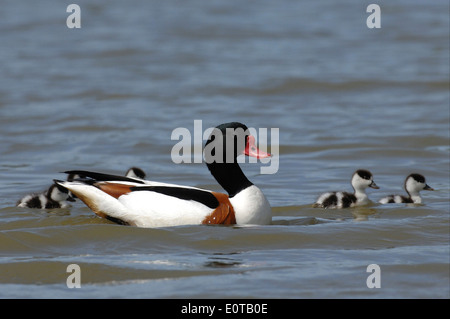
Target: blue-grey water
{"points": [[108, 95]]}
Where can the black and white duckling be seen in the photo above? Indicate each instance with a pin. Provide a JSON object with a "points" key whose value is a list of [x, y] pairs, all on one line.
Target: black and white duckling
{"points": [[135, 172], [361, 179], [55, 197], [414, 183]]}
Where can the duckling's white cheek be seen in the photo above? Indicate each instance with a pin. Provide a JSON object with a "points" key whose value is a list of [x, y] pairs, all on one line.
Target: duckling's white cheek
{"points": [[412, 185], [59, 196]]}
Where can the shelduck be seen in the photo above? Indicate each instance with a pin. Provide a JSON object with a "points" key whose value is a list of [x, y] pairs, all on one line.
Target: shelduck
{"points": [[414, 183], [361, 179], [141, 203], [55, 197]]}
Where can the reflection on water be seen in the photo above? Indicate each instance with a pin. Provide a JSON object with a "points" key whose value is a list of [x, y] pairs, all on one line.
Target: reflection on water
{"points": [[363, 213], [222, 263]]}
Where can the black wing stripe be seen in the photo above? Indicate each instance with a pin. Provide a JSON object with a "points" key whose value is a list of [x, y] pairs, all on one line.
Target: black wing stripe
{"points": [[100, 177], [204, 197]]}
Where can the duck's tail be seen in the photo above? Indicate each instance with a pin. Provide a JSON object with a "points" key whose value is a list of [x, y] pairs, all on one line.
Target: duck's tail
{"points": [[100, 202]]}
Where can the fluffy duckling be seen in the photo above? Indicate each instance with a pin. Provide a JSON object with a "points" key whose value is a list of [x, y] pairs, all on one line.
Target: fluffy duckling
{"points": [[135, 172], [55, 197], [414, 183], [361, 179]]}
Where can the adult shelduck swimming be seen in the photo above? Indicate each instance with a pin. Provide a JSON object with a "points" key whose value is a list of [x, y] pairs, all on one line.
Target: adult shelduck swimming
{"points": [[361, 179], [142, 203], [414, 183], [55, 197]]}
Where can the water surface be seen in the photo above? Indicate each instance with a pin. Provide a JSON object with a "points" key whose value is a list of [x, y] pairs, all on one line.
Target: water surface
{"points": [[108, 96]]}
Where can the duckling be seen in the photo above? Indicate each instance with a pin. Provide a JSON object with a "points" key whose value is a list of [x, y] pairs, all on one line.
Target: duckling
{"points": [[72, 177], [135, 172], [361, 179], [55, 197], [414, 183]]}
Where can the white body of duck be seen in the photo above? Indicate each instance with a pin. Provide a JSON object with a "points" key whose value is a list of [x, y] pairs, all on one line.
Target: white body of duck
{"points": [[414, 183], [361, 179], [55, 197], [141, 203]]}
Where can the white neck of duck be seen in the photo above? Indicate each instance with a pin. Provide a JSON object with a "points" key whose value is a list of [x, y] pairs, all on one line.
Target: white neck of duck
{"points": [[360, 193]]}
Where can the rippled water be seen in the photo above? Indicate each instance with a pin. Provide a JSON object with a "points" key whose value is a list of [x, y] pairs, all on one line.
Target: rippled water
{"points": [[108, 96]]}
